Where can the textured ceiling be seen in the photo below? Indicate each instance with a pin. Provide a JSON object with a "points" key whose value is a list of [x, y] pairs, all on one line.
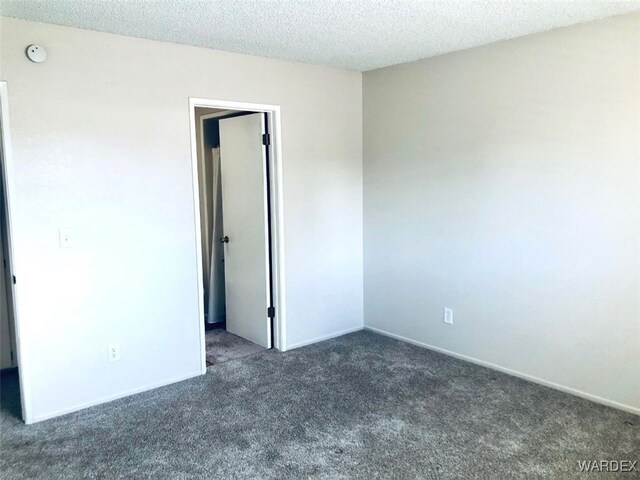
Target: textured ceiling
{"points": [[358, 34]]}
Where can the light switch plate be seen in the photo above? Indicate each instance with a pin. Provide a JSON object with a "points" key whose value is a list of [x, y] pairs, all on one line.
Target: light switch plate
{"points": [[448, 316]]}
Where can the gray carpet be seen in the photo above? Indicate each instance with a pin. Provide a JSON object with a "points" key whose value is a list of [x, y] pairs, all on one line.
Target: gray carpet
{"points": [[222, 346], [359, 406]]}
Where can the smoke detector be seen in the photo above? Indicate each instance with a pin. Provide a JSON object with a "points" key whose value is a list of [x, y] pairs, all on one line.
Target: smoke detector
{"points": [[36, 53]]}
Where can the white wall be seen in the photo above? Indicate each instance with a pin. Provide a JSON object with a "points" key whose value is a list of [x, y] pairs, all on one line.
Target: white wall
{"points": [[102, 146], [504, 182]]}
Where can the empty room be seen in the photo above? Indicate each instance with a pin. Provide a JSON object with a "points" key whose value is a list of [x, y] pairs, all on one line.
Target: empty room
{"points": [[320, 239]]}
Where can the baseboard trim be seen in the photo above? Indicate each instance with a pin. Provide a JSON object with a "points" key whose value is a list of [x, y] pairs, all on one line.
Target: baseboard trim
{"points": [[325, 337], [524, 376], [93, 403]]}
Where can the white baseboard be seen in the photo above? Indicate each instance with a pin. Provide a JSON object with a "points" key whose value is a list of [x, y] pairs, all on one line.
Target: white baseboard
{"points": [[325, 337], [540, 381], [82, 406]]}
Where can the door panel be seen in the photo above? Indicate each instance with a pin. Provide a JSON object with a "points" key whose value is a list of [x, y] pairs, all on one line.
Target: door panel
{"points": [[244, 217]]}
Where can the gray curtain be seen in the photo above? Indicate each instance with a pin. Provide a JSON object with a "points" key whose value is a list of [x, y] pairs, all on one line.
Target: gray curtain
{"points": [[216, 301]]}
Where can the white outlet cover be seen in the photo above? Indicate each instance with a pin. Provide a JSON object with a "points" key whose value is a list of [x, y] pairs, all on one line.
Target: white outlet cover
{"points": [[65, 237], [113, 350], [36, 53], [448, 316]]}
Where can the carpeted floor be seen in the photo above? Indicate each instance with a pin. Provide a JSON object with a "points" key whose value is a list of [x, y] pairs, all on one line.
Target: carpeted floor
{"points": [[222, 346], [359, 406]]}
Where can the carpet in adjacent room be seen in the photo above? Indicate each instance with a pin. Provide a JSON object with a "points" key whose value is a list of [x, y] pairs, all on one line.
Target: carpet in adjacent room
{"points": [[222, 346]]}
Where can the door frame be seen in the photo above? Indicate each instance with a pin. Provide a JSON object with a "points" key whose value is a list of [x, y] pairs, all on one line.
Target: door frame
{"points": [[277, 213], [7, 176]]}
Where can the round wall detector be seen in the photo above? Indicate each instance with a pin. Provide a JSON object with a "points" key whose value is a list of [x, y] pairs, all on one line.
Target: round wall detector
{"points": [[36, 53]]}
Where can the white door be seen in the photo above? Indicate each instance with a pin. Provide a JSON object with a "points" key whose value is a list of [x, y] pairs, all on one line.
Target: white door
{"points": [[244, 216]]}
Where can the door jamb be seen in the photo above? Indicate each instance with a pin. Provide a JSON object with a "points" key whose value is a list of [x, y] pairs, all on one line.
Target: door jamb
{"points": [[7, 174], [277, 211]]}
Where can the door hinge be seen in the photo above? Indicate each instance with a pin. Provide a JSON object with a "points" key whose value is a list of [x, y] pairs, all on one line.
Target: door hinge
{"points": [[14, 279], [266, 139], [271, 312]]}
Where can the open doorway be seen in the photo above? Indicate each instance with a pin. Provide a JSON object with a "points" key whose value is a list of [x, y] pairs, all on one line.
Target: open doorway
{"points": [[9, 393], [237, 218], [12, 392], [8, 357]]}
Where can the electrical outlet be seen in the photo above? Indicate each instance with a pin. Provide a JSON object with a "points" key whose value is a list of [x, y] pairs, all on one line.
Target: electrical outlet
{"points": [[66, 241], [114, 352], [448, 316]]}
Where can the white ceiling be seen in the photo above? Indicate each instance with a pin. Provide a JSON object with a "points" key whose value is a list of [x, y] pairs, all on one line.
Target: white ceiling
{"points": [[357, 34]]}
